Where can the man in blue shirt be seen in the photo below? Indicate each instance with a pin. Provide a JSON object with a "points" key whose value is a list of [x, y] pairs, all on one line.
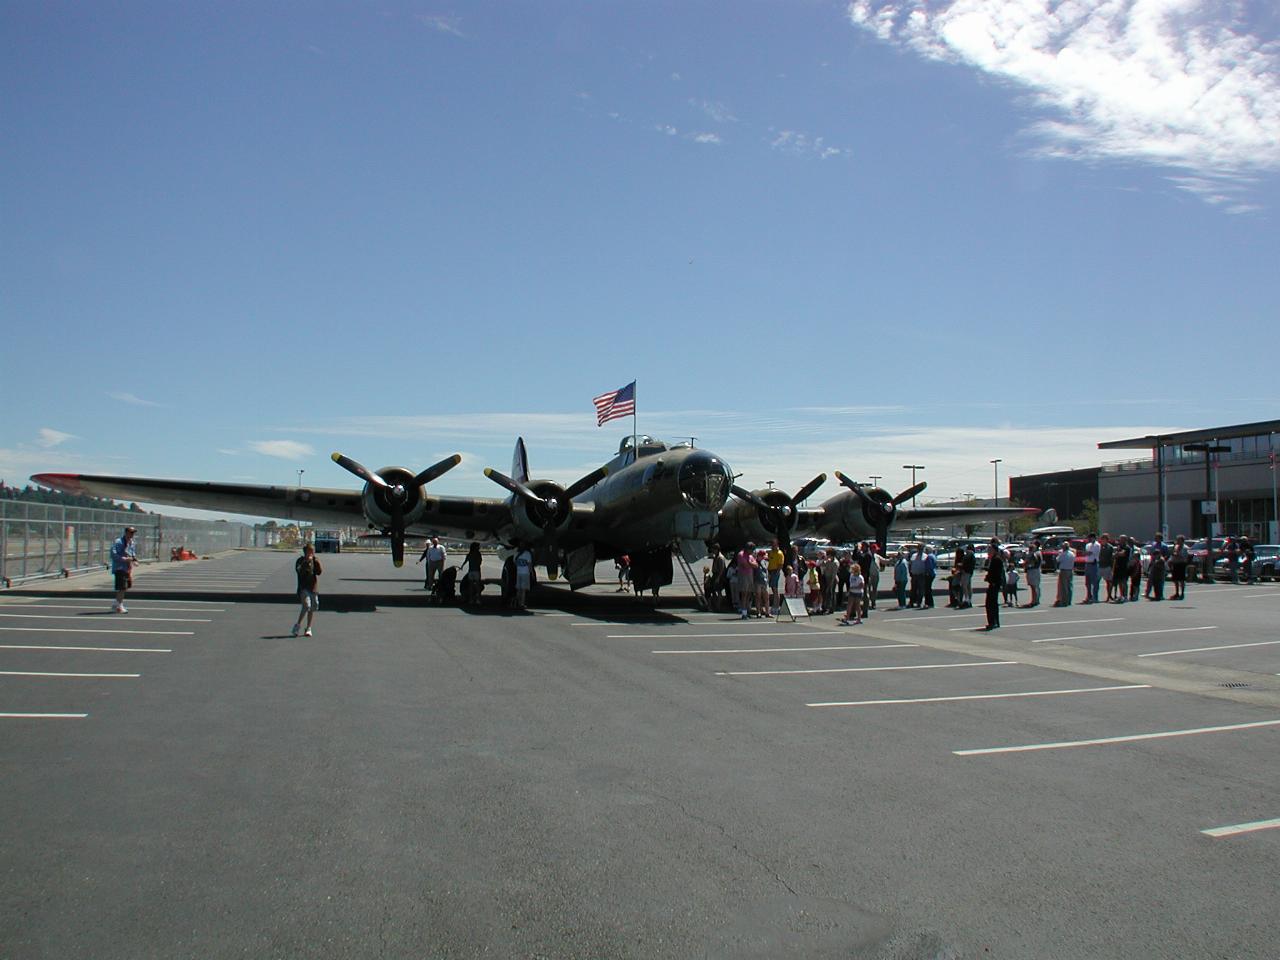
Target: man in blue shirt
{"points": [[123, 559]]}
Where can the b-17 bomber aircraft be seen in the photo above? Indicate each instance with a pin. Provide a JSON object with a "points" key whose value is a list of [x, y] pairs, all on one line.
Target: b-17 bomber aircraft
{"points": [[647, 500], [859, 512]]}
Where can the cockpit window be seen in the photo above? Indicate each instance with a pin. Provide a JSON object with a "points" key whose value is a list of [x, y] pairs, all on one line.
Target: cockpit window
{"points": [[705, 481]]}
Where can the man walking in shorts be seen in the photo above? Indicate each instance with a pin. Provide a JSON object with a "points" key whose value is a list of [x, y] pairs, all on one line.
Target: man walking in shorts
{"points": [[123, 559], [308, 569]]}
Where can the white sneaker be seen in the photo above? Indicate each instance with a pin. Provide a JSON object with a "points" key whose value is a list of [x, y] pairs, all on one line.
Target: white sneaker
{"points": [[307, 633], [123, 608], [115, 607], [293, 631]]}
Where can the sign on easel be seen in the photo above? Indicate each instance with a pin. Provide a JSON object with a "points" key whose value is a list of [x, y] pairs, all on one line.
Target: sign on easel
{"points": [[793, 608]]}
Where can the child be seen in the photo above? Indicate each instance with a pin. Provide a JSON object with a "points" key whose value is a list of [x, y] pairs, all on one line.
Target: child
{"points": [[857, 587], [1011, 585], [790, 583], [814, 600]]}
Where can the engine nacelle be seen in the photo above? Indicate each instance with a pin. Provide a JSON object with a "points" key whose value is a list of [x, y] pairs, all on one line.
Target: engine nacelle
{"points": [[856, 519], [759, 525], [376, 501], [536, 521]]}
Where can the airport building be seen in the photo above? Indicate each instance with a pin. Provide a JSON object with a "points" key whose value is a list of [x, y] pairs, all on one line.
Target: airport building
{"points": [[1219, 481]]}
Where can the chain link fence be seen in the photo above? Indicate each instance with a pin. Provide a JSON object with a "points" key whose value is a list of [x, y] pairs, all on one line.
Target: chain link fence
{"points": [[47, 540]]}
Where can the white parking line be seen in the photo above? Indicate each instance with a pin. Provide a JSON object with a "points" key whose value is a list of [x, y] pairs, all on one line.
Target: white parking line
{"points": [[1128, 739], [150, 633], [134, 601], [43, 716], [85, 606], [926, 666], [1051, 623], [918, 615], [34, 646], [1269, 595], [97, 676], [1239, 828], [649, 622], [80, 617], [869, 646], [1229, 646], [703, 636], [980, 696], [1131, 633]]}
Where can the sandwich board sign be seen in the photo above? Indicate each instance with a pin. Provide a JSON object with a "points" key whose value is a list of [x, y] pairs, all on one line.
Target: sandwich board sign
{"points": [[793, 609]]}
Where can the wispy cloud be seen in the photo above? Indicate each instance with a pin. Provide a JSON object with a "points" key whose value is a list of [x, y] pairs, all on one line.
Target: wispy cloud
{"points": [[1177, 83], [441, 23], [666, 128], [714, 109], [136, 401], [284, 449], [50, 438], [795, 142], [711, 138]]}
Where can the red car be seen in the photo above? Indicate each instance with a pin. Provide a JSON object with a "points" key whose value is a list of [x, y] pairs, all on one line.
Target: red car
{"points": [[1051, 550]]}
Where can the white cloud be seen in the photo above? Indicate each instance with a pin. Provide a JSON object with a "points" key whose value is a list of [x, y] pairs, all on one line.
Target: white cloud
{"points": [[133, 400], [441, 23], [706, 138], [715, 110], [284, 449], [1177, 83], [795, 142], [50, 438], [666, 128], [225, 451]]}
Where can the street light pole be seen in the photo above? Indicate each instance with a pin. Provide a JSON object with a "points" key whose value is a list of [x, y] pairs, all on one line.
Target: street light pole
{"points": [[1275, 504], [300, 473], [1209, 449], [995, 465], [913, 467]]}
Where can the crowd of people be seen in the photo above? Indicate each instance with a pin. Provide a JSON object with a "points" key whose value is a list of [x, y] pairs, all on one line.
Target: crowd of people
{"points": [[757, 581]]}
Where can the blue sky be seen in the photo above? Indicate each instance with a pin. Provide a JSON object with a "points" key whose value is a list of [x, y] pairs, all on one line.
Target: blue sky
{"points": [[819, 235]]}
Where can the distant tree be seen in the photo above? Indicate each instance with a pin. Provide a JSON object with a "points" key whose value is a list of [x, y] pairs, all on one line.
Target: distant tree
{"points": [[1021, 525], [1086, 521]]}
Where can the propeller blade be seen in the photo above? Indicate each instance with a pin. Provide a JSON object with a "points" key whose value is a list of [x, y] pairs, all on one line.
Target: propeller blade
{"points": [[438, 470], [360, 470], [397, 533], [515, 486], [807, 490], [744, 494], [587, 482], [908, 493], [845, 481]]}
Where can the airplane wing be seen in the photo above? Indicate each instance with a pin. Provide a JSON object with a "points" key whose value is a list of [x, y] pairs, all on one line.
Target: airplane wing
{"points": [[934, 516], [286, 503], [460, 518]]}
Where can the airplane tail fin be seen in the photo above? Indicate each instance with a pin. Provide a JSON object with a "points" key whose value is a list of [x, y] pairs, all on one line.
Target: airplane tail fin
{"points": [[520, 462]]}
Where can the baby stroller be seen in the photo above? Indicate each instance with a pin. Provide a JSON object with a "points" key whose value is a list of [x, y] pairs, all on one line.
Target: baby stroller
{"points": [[446, 588]]}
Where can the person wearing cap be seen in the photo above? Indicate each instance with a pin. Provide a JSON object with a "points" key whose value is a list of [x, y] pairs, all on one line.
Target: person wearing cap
{"points": [[123, 559]]}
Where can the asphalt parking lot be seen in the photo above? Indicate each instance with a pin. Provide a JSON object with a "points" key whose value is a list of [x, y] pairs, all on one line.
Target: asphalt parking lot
{"points": [[602, 778]]}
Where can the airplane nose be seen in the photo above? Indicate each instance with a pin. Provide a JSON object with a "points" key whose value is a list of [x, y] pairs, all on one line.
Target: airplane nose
{"points": [[705, 480]]}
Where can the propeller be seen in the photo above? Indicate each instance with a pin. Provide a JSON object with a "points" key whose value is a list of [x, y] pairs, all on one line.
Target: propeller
{"points": [[552, 509], [878, 507], [777, 517], [394, 497]]}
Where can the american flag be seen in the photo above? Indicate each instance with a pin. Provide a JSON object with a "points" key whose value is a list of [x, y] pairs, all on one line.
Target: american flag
{"points": [[615, 404]]}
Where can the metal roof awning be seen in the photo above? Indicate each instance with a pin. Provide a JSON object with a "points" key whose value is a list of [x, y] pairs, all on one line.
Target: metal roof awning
{"points": [[1193, 436]]}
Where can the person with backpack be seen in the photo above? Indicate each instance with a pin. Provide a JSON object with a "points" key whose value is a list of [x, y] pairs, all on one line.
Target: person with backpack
{"points": [[1033, 565]]}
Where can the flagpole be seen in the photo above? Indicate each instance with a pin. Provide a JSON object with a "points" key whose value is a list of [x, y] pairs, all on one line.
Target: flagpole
{"points": [[635, 448]]}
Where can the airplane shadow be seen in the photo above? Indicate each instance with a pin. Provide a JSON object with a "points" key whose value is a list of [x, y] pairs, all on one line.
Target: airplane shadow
{"points": [[625, 608]]}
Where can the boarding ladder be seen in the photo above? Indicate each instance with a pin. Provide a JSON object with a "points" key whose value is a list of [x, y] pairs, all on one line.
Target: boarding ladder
{"points": [[694, 583]]}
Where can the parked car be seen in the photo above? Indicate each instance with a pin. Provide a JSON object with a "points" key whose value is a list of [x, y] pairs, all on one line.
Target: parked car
{"points": [[1266, 560]]}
